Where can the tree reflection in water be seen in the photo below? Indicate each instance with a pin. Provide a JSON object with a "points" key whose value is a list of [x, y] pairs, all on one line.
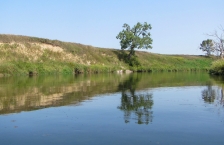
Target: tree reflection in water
{"points": [[213, 95], [138, 104], [208, 94]]}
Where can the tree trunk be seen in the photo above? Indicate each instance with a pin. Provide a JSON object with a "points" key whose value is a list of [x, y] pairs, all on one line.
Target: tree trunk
{"points": [[132, 52], [221, 54], [129, 56], [221, 49]]}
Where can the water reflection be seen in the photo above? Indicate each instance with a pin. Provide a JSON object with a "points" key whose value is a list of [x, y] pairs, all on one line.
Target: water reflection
{"points": [[209, 94], [139, 105], [27, 94], [213, 95], [219, 80], [180, 114]]}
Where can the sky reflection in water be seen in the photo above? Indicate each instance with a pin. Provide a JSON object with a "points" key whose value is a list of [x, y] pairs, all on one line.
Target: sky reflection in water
{"points": [[166, 108]]}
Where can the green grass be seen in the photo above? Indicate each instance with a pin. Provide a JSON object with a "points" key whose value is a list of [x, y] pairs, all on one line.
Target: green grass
{"points": [[22, 54], [158, 62], [217, 67], [23, 68]]}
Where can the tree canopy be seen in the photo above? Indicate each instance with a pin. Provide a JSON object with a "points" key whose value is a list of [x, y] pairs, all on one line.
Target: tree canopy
{"points": [[219, 42], [214, 45], [135, 37], [208, 46]]}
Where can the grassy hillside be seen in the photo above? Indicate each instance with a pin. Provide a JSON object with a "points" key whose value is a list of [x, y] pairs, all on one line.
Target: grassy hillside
{"points": [[22, 54]]}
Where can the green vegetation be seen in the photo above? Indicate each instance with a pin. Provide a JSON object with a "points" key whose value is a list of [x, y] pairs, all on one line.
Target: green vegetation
{"points": [[136, 37], [30, 93], [217, 67], [159, 62], [215, 45], [23, 55], [208, 46]]}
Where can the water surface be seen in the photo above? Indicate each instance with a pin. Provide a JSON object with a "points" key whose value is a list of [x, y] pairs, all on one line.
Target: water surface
{"points": [[143, 108]]}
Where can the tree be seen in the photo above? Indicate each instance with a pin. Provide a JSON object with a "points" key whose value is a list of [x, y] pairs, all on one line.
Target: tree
{"points": [[136, 37], [219, 41], [208, 46]]}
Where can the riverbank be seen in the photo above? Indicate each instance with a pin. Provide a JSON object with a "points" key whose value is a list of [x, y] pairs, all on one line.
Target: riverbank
{"points": [[22, 55], [217, 67]]}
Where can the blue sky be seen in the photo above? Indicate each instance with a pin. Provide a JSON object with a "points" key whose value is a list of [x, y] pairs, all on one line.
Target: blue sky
{"points": [[178, 26]]}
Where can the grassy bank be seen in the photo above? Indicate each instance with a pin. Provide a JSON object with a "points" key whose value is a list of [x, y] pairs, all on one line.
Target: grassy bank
{"points": [[22, 54], [217, 67]]}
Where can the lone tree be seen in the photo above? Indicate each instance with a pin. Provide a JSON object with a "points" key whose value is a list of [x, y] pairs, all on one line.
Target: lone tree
{"points": [[208, 46], [214, 45], [219, 42], [136, 37]]}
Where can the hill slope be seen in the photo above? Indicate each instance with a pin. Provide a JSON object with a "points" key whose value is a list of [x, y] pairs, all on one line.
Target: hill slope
{"points": [[23, 54]]}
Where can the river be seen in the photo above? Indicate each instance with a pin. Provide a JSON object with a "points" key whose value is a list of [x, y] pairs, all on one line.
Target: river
{"points": [[184, 108]]}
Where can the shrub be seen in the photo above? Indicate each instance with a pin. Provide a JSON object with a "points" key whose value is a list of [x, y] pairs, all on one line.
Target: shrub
{"points": [[217, 67]]}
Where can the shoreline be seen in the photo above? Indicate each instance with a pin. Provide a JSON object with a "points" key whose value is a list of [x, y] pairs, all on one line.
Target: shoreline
{"points": [[24, 55]]}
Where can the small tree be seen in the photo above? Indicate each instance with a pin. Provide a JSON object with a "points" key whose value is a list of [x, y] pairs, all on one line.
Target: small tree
{"points": [[136, 37], [219, 41], [207, 46]]}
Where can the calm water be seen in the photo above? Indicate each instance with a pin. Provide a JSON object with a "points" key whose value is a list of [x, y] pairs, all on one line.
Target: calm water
{"points": [[112, 109]]}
